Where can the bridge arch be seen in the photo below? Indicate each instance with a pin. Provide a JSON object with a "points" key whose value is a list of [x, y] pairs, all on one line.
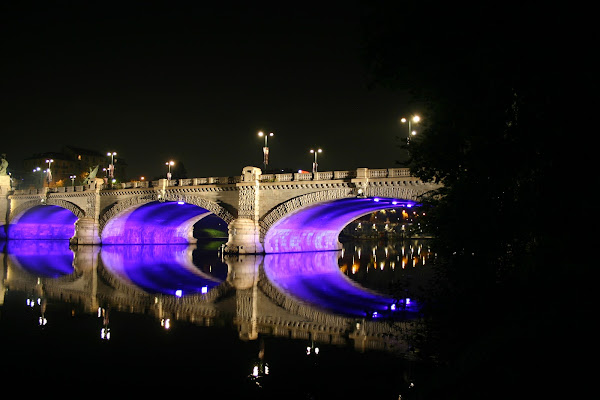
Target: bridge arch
{"points": [[156, 219], [313, 222], [27, 205], [50, 219]]}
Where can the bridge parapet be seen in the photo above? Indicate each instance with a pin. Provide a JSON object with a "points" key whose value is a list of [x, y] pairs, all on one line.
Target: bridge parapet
{"points": [[216, 180]]}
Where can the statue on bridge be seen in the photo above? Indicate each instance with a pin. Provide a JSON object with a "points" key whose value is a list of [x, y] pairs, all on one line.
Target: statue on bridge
{"points": [[3, 165], [91, 176]]}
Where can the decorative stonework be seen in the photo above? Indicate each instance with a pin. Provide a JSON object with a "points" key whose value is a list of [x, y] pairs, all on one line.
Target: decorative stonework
{"points": [[122, 205], [247, 202], [408, 190], [18, 211], [209, 205]]}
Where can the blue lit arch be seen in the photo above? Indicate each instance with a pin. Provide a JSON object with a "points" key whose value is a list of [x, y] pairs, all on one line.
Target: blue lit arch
{"points": [[37, 221], [316, 227], [155, 222]]}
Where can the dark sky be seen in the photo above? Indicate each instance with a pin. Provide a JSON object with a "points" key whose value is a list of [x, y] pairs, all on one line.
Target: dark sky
{"points": [[156, 81]]}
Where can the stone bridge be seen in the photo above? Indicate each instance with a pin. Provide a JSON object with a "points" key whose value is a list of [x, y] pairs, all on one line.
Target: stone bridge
{"points": [[265, 213]]}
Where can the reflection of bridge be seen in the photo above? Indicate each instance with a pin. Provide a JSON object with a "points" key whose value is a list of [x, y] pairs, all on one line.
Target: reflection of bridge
{"points": [[255, 295], [265, 213]]}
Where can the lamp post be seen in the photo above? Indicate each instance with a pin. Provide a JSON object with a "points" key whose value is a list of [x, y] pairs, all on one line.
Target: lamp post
{"points": [[72, 180], [413, 118], [38, 169], [266, 147], [49, 172], [169, 164], [111, 167], [315, 162]]}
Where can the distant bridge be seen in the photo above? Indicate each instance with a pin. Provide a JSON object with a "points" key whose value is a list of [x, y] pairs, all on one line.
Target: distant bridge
{"points": [[265, 213]]}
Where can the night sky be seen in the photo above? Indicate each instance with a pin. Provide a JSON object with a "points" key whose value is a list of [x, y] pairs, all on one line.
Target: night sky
{"points": [[194, 83]]}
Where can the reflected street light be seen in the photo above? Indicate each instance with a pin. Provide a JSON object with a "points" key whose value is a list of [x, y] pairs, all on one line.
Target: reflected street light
{"points": [[413, 118], [111, 167], [266, 147], [169, 164], [315, 162]]}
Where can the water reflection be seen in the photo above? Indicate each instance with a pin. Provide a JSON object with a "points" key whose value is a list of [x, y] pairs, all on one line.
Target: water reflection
{"points": [[316, 279], [312, 302], [44, 258], [332, 297], [400, 269], [360, 281], [166, 269]]}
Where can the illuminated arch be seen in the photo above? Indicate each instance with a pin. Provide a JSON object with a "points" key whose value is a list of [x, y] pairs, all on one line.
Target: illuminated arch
{"points": [[54, 219], [316, 227], [152, 222], [136, 201], [23, 207]]}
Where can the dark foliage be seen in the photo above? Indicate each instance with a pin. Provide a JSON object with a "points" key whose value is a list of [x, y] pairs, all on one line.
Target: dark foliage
{"points": [[491, 84]]}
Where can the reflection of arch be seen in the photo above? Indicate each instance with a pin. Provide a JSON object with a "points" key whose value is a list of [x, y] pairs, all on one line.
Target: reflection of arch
{"points": [[314, 278], [149, 270], [112, 211], [24, 207]]}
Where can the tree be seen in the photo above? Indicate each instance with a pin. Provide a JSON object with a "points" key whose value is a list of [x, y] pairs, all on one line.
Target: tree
{"points": [[490, 80]]}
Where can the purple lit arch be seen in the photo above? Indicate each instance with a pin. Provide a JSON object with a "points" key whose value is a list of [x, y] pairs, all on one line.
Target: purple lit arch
{"points": [[155, 222], [35, 221], [316, 227]]}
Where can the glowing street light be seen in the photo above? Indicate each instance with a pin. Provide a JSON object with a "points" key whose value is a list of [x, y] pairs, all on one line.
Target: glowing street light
{"points": [[411, 132], [169, 164], [72, 180], [38, 169], [111, 167], [315, 162], [266, 147]]}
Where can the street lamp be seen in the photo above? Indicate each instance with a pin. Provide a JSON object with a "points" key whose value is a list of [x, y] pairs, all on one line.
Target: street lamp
{"points": [[415, 119], [169, 164], [72, 180], [315, 162], [49, 176], [111, 167], [38, 169], [266, 147]]}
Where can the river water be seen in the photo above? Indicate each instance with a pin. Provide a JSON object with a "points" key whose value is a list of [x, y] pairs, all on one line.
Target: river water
{"points": [[181, 320]]}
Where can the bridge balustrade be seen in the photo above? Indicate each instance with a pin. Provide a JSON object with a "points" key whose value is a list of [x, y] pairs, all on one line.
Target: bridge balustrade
{"points": [[283, 177]]}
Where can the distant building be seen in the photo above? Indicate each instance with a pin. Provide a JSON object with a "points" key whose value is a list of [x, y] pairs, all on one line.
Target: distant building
{"points": [[70, 161]]}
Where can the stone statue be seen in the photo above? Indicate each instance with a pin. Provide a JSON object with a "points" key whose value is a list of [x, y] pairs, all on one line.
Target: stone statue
{"points": [[3, 165], [91, 176]]}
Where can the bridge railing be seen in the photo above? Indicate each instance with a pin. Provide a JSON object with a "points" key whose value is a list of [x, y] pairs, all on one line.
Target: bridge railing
{"points": [[283, 177]]}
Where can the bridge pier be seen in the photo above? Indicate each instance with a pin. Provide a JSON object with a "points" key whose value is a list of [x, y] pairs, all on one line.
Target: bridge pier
{"points": [[244, 237], [86, 232], [5, 188], [244, 232]]}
